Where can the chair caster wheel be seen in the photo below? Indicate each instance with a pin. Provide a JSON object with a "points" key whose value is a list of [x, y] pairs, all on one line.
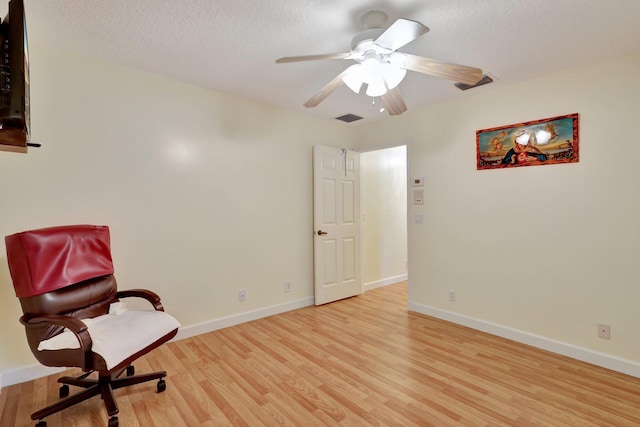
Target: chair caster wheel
{"points": [[113, 422], [130, 370], [162, 385], [41, 423], [63, 392]]}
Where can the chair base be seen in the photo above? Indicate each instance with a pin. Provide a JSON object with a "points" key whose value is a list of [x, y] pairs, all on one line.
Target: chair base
{"points": [[103, 386]]}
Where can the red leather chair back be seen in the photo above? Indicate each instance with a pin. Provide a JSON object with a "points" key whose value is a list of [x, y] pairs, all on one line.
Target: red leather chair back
{"points": [[49, 259]]}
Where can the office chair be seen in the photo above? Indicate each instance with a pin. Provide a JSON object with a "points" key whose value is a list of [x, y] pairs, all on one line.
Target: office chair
{"points": [[74, 316]]}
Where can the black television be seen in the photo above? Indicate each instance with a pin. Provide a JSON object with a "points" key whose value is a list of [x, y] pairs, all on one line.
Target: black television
{"points": [[15, 120]]}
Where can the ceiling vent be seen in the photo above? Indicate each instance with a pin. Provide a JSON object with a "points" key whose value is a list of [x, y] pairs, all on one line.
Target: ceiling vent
{"points": [[348, 118], [485, 80]]}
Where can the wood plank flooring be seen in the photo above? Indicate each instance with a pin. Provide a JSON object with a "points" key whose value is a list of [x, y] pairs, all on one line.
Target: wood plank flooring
{"points": [[364, 361]]}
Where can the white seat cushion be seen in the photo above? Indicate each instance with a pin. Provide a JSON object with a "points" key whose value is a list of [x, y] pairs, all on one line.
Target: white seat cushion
{"points": [[117, 336]]}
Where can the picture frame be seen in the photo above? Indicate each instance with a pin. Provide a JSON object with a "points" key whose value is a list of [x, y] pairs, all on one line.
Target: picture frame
{"points": [[548, 141]]}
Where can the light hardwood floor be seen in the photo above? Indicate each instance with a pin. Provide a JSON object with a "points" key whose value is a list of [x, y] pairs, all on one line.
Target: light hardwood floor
{"points": [[364, 361]]}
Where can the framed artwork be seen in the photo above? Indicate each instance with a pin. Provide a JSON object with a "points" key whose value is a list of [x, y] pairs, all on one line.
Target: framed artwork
{"points": [[539, 142]]}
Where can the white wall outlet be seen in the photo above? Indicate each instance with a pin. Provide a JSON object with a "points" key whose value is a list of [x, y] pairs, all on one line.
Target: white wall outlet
{"points": [[452, 294], [242, 296], [287, 287], [604, 331]]}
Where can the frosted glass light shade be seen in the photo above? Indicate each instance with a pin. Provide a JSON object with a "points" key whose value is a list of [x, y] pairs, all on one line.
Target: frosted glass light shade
{"points": [[379, 77], [376, 87], [353, 78], [393, 76]]}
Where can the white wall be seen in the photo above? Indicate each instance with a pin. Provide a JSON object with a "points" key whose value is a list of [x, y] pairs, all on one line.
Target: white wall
{"points": [[540, 253], [205, 193], [384, 205]]}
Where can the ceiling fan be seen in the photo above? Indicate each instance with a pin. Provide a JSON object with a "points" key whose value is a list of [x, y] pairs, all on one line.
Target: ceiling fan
{"points": [[381, 67]]}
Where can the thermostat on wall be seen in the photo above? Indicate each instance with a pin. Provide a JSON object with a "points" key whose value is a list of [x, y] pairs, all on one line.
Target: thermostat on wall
{"points": [[417, 182], [418, 197]]}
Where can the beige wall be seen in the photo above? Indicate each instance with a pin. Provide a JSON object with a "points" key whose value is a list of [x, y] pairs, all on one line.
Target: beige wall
{"points": [[384, 208], [205, 193], [548, 251]]}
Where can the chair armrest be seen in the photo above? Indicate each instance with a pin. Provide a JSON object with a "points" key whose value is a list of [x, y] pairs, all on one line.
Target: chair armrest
{"points": [[152, 297], [74, 324]]}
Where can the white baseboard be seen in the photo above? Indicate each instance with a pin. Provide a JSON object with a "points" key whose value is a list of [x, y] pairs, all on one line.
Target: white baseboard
{"points": [[236, 319], [614, 363], [384, 282], [34, 371], [27, 373]]}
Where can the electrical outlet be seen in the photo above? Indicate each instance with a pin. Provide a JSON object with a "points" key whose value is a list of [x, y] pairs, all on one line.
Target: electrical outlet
{"points": [[452, 294], [287, 286], [604, 331], [242, 296]]}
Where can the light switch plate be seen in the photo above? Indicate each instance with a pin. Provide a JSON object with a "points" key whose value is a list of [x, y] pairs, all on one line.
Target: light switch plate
{"points": [[418, 197]]}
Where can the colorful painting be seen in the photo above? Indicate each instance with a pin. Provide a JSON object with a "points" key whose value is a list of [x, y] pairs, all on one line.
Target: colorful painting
{"points": [[540, 142]]}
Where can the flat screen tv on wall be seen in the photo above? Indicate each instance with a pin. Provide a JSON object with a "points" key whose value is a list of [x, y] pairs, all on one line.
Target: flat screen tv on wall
{"points": [[15, 121]]}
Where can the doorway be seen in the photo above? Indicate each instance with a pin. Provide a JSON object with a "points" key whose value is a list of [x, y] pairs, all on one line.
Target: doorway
{"points": [[384, 206]]}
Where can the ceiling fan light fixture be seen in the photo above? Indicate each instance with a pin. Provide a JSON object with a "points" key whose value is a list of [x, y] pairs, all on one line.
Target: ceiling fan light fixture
{"points": [[377, 74], [376, 87], [353, 78], [396, 59], [381, 76], [393, 76]]}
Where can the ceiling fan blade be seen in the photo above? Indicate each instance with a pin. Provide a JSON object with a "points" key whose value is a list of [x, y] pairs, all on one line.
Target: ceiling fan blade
{"points": [[326, 90], [312, 57], [434, 67], [393, 102], [400, 33]]}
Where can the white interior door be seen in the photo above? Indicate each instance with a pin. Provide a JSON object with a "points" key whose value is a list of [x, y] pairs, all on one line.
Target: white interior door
{"points": [[336, 221]]}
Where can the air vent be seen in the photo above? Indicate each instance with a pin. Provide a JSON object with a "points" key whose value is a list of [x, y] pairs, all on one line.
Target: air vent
{"points": [[348, 118], [485, 80]]}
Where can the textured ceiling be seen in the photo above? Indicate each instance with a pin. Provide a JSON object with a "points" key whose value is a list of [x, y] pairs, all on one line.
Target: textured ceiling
{"points": [[231, 45]]}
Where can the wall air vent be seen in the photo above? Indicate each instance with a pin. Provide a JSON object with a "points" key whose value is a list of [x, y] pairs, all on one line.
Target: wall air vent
{"points": [[348, 118], [485, 80]]}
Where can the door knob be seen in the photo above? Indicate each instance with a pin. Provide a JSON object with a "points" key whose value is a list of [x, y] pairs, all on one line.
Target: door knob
{"points": [[320, 233]]}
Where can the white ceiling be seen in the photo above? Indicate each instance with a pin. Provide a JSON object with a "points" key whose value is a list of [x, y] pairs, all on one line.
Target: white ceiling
{"points": [[231, 45]]}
